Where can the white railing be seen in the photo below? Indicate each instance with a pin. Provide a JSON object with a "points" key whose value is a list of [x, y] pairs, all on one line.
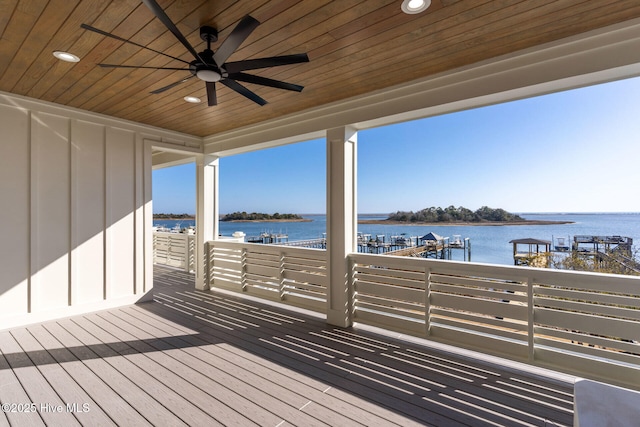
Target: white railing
{"points": [[581, 323], [174, 249], [586, 324], [296, 276]]}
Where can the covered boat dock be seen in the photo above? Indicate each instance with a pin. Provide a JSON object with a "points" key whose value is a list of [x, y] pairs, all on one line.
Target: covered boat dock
{"points": [[536, 253]]}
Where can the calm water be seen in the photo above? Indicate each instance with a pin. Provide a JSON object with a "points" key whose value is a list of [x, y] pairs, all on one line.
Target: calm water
{"points": [[489, 244]]}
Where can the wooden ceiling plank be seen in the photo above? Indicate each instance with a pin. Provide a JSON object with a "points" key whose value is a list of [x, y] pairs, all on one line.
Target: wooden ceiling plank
{"points": [[152, 78], [91, 48], [159, 84], [283, 30], [33, 8], [320, 19], [138, 18], [53, 16], [137, 109], [464, 53], [113, 82], [510, 37], [355, 47], [15, 34], [325, 68], [311, 28], [7, 7], [353, 58], [47, 70], [119, 93], [264, 14], [380, 33], [138, 25], [374, 16], [329, 91], [540, 20]]}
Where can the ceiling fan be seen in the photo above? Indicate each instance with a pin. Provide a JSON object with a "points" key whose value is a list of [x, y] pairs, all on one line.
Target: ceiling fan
{"points": [[212, 67]]}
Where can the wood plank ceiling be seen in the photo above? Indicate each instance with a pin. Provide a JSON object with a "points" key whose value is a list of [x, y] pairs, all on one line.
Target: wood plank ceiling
{"points": [[354, 46]]}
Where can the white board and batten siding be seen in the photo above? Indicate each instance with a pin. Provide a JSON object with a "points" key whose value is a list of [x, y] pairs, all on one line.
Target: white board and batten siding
{"points": [[75, 193]]}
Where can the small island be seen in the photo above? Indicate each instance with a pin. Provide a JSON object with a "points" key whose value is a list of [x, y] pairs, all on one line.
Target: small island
{"points": [[262, 217], [172, 216], [458, 216]]}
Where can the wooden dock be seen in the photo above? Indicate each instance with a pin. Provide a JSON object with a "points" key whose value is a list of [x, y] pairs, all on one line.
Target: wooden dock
{"points": [[209, 358]]}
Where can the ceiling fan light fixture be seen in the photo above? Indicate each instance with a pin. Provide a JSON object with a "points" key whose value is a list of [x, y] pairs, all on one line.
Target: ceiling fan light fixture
{"points": [[412, 7], [208, 75], [192, 99], [66, 56]]}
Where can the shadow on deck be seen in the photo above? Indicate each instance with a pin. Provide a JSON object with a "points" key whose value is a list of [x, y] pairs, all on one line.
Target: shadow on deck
{"points": [[210, 358]]}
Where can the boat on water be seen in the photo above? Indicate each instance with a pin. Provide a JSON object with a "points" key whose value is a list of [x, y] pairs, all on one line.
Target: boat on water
{"points": [[269, 238], [561, 244], [402, 240], [175, 229], [456, 241]]}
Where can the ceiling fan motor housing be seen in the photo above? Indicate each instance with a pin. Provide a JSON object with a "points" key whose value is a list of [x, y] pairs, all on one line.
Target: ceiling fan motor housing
{"points": [[207, 71], [209, 35]]}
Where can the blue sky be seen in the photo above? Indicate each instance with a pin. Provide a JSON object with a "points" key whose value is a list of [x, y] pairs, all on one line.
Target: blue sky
{"points": [[573, 151]]}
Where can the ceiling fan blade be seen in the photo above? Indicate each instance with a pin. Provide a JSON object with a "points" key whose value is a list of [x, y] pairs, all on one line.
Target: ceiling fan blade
{"points": [[250, 78], [113, 36], [274, 61], [157, 10], [239, 34], [212, 98], [232, 84], [162, 89], [136, 66]]}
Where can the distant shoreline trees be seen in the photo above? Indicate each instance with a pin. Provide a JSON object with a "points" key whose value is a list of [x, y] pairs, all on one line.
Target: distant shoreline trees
{"points": [[173, 216], [453, 214], [255, 216]]}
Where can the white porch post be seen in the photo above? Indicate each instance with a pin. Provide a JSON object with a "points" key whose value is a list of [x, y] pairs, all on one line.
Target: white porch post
{"points": [[341, 221], [206, 212]]}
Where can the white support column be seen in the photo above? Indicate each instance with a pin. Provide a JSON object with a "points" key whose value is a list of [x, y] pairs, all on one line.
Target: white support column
{"points": [[341, 221], [206, 212]]}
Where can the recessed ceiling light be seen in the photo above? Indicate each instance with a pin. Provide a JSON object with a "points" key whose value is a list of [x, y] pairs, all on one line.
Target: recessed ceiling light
{"points": [[66, 56], [192, 99], [415, 6]]}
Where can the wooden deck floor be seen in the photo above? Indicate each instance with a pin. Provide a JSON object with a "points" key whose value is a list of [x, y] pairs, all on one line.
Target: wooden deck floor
{"points": [[205, 358]]}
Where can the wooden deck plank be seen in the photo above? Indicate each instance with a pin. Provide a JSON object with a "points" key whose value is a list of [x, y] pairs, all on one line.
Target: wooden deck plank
{"points": [[494, 386], [286, 384], [243, 350], [115, 371], [446, 410], [166, 387], [244, 363], [316, 391], [118, 409], [248, 388], [271, 387], [467, 371], [408, 405], [65, 386], [206, 358], [11, 391], [362, 410], [37, 388], [407, 413], [226, 402]]}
